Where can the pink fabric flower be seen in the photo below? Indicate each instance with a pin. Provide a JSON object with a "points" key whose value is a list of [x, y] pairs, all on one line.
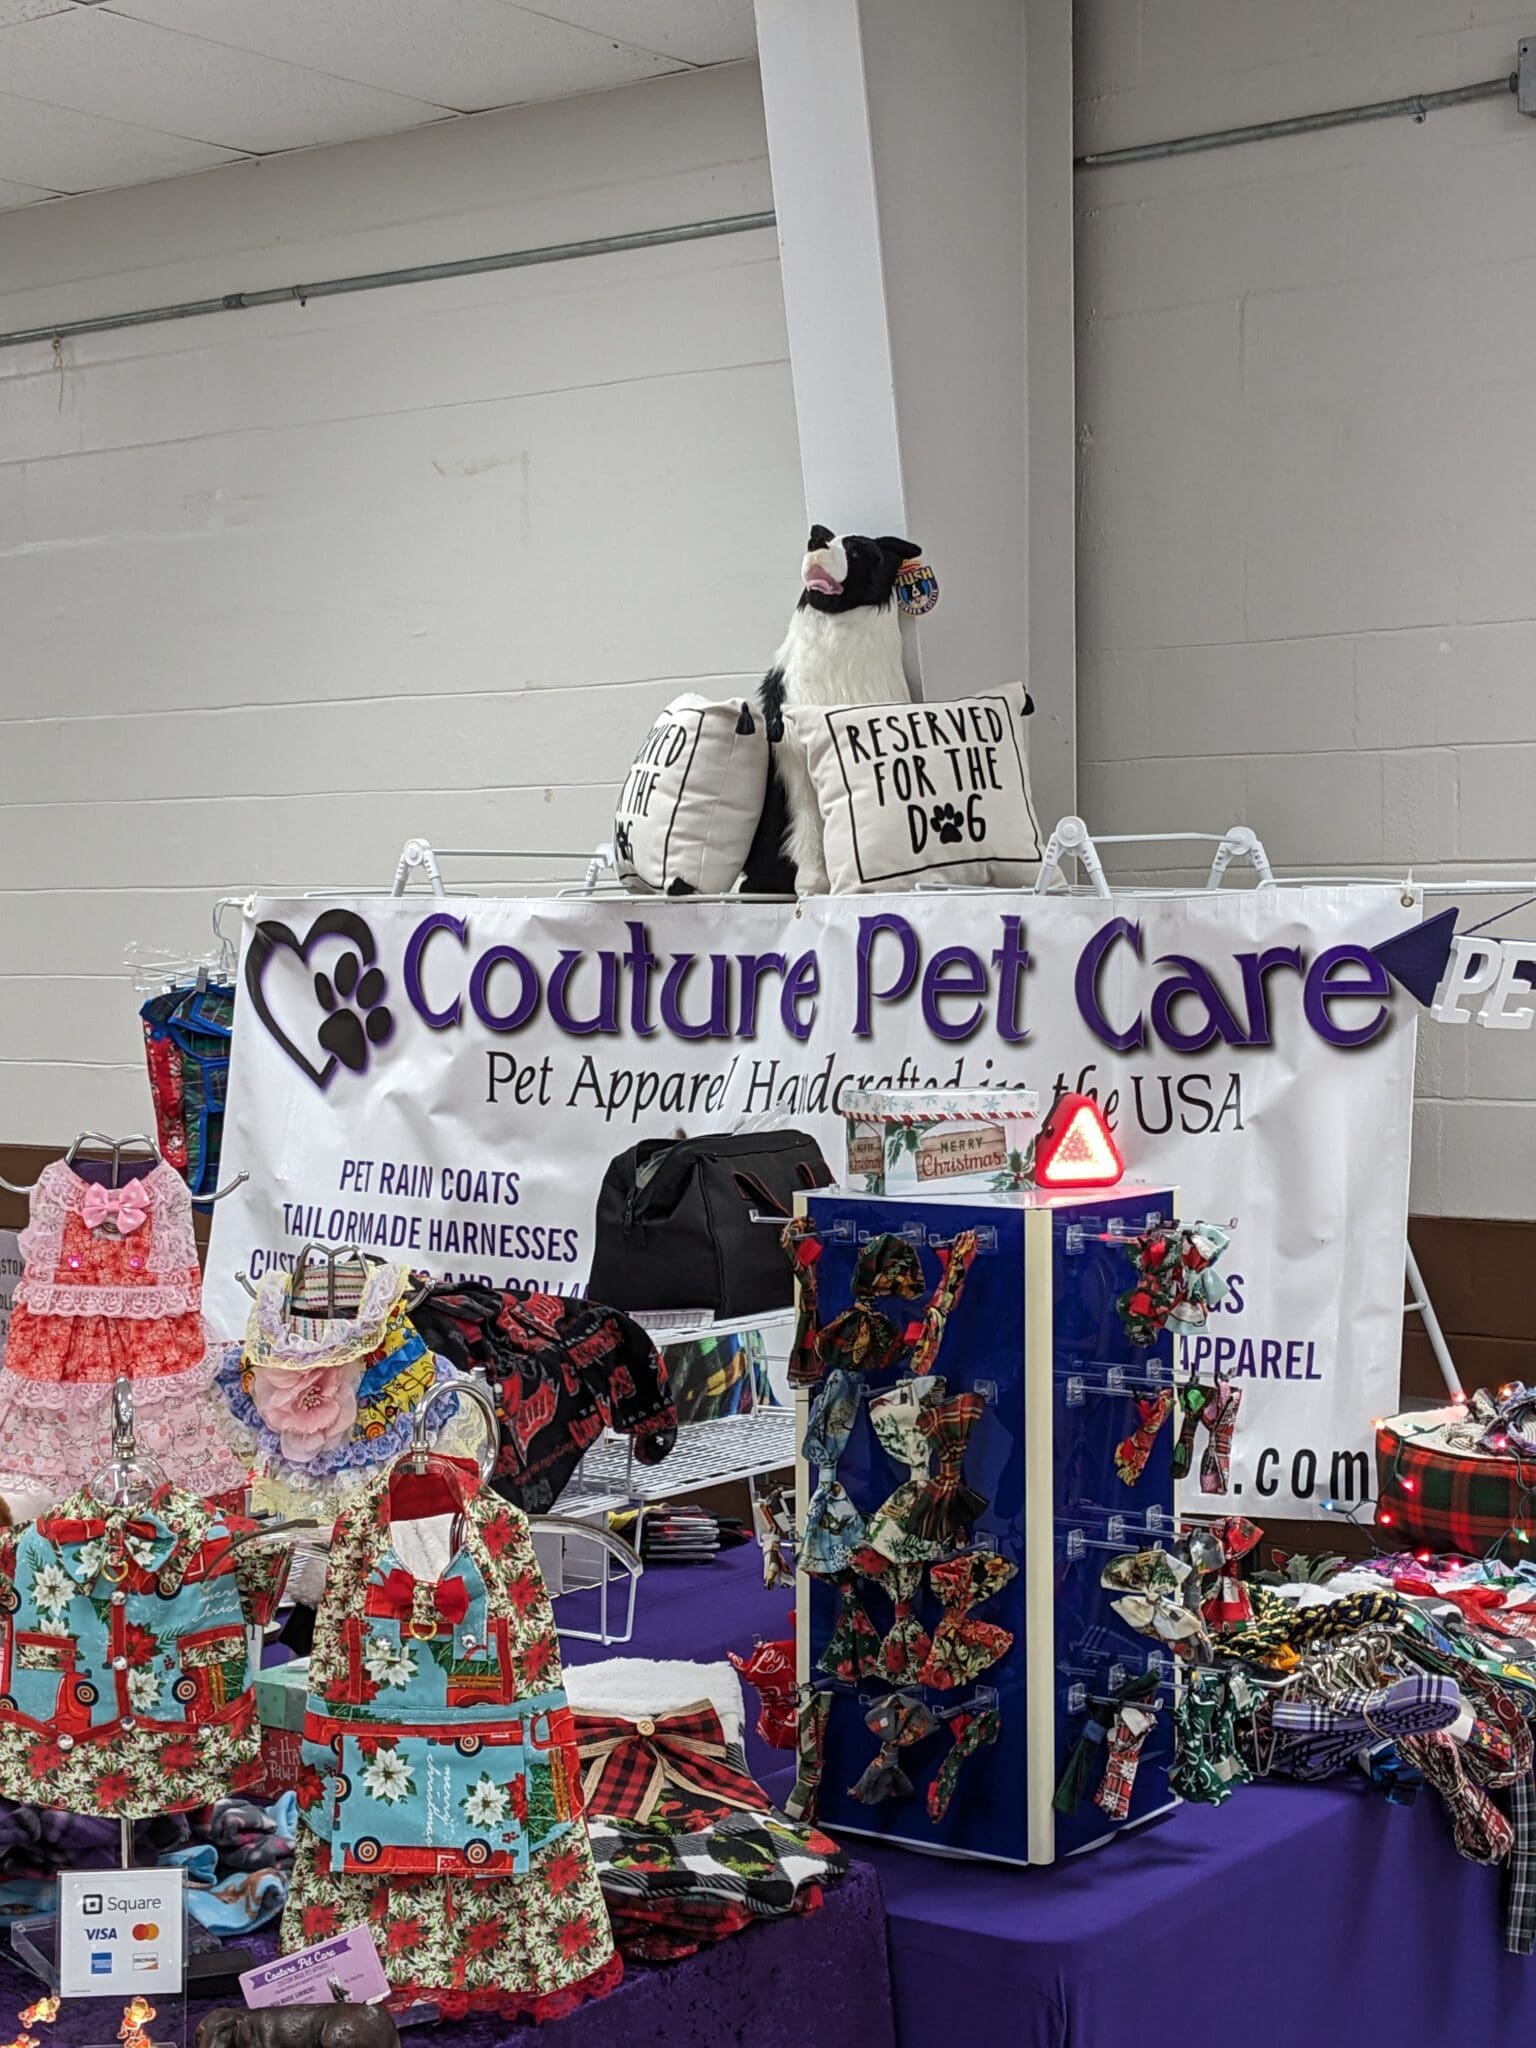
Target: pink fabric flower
{"points": [[311, 1411]]}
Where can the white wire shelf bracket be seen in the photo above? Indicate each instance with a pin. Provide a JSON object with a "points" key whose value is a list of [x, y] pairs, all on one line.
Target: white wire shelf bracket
{"points": [[731, 1447]]}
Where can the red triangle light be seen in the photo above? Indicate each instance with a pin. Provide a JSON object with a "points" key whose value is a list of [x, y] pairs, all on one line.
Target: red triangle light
{"points": [[1076, 1148]]}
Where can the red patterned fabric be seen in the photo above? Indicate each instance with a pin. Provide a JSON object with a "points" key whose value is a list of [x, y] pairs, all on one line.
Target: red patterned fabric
{"points": [[770, 1671]]}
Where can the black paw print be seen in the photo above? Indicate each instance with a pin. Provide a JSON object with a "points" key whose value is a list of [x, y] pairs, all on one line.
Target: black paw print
{"points": [[344, 1034], [947, 823]]}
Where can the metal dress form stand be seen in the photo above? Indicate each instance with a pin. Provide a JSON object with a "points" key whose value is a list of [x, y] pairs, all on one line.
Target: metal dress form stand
{"points": [[129, 1478], [135, 1142]]}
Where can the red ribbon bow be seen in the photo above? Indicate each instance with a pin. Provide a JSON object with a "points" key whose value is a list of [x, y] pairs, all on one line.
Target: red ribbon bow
{"points": [[394, 1597]]}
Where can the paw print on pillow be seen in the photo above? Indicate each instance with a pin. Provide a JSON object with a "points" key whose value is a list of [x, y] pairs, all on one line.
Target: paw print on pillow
{"points": [[353, 1000], [948, 825]]}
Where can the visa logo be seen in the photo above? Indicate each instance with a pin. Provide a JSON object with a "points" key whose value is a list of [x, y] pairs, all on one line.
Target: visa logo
{"points": [[101, 1934]]}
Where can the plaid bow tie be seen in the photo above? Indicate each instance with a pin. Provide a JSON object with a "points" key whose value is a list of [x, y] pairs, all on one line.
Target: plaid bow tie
{"points": [[1220, 1418], [628, 1764], [943, 1507], [1126, 1738]]}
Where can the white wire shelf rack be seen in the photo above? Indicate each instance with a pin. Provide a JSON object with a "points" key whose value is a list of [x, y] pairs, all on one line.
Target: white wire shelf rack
{"points": [[705, 1454]]}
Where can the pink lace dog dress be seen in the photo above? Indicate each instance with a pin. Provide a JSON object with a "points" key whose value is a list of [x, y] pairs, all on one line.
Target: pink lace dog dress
{"points": [[110, 1287]]}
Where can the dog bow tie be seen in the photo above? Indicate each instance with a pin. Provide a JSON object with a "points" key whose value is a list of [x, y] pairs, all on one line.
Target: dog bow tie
{"points": [[127, 1207], [394, 1598]]}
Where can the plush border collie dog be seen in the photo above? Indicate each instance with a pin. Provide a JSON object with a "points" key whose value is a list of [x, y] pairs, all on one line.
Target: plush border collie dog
{"points": [[843, 647]]}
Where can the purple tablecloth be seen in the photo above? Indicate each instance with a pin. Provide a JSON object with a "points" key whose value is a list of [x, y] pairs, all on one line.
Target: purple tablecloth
{"points": [[1293, 1914], [1310, 1914], [737, 1993]]}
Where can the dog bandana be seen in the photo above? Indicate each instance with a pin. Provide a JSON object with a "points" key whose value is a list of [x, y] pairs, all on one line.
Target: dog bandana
{"points": [[770, 1671]]}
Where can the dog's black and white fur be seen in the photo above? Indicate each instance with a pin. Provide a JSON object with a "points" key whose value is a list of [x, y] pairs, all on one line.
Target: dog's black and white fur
{"points": [[843, 647]]}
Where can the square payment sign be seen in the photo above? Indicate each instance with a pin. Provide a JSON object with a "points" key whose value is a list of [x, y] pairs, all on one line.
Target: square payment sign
{"points": [[121, 1932]]}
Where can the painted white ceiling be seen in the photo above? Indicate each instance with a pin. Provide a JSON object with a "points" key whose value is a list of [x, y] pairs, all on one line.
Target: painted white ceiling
{"points": [[96, 93]]}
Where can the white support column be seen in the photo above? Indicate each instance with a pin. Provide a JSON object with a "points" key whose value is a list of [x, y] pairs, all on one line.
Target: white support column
{"points": [[922, 174]]}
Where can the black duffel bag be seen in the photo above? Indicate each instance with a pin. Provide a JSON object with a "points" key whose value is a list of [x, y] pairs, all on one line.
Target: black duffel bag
{"points": [[675, 1229]]}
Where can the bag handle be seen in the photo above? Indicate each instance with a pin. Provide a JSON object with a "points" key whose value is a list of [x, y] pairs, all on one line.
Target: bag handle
{"points": [[756, 1195]]}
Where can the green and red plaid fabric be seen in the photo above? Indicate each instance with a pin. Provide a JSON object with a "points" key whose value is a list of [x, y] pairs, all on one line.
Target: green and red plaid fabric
{"points": [[1432, 1497]]}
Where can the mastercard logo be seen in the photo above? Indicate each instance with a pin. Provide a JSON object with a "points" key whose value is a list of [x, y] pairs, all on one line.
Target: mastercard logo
{"points": [[146, 1930]]}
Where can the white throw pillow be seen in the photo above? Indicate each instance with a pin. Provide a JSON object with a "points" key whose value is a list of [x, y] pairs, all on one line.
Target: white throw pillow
{"points": [[909, 791], [691, 802]]}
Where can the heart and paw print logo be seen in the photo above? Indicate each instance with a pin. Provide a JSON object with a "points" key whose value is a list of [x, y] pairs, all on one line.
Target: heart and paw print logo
{"points": [[349, 988]]}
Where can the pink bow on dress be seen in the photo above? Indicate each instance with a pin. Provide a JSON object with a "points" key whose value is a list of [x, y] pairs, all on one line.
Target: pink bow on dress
{"points": [[127, 1207]]}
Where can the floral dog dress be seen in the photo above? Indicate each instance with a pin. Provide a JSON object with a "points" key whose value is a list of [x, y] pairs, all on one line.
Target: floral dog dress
{"points": [[320, 1405], [110, 1288], [125, 1685], [441, 1786]]}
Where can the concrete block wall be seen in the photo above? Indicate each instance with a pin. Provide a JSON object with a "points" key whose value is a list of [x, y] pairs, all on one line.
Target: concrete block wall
{"points": [[1307, 475], [280, 589]]}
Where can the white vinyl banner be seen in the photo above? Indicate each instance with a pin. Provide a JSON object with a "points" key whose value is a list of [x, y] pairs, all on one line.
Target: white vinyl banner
{"points": [[446, 1079]]}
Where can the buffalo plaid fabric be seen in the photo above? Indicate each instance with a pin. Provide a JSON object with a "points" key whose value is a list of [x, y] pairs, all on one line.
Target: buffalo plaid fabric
{"points": [[1435, 1497], [672, 1766]]}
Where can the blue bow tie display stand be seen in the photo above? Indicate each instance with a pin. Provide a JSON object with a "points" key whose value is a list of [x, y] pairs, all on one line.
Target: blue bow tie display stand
{"points": [[1037, 1333]]}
